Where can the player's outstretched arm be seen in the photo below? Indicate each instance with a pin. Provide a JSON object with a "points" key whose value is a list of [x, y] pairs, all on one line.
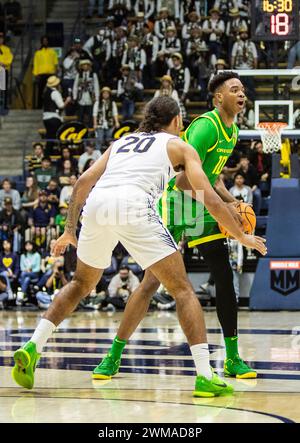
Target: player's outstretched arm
{"points": [[79, 195], [183, 155]]}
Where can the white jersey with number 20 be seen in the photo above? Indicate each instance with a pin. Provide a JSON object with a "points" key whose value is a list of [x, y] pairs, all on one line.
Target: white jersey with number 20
{"points": [[140, 160]]}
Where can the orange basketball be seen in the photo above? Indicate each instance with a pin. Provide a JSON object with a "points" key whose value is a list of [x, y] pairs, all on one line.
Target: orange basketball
{"points": [[248, 216]]}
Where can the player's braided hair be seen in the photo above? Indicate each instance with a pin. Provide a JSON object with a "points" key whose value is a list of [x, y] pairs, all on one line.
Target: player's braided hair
{"points": [[159, 113], [219, 79]]}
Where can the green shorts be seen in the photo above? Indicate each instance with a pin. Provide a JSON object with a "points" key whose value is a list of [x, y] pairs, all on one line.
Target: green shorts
{"points": [[187, 217]]}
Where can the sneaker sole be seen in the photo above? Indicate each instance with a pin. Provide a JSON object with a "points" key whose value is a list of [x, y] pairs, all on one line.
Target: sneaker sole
{"points": [[241, 376], [101, 377], [204, 394], [22, 358]]}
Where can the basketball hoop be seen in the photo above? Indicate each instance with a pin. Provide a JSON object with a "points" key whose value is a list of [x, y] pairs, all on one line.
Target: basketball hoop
{"points": [[271, 135]]}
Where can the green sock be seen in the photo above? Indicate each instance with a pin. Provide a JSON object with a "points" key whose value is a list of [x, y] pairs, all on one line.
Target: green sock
{"points": [[117, 348], [231, 344]]}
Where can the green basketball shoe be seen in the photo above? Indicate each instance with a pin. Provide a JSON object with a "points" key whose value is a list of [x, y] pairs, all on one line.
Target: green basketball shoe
{"points": [[106, 369], [211, 388], [26, 359], [238, 368]]}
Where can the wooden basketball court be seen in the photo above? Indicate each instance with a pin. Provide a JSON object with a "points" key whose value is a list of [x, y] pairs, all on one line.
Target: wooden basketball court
{"points": [[157, 376]]}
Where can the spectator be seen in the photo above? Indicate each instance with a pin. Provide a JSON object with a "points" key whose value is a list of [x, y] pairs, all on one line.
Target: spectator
{"points": [[224, 6], [135, 57], [30, 265], [53, 192], [55, 281], [296, 118], [30, 195], [162, 23], [65, 173], [252, 180], [45, 63], [193, 22], [246, 118], [6, 59], [171, 6], [4, 291], [13, 12], [9, 266], [7, 191], [66, 192], [233, 26], [121, 287], [35, 160], [70, 69], [90, 153], [86, 91], [106, 118], [244, 52], [240, 191], [214, 28], [45, 173], [61, 218], [11, 223], [167, 88], [244, 7], [150, 45], [129, 90], [119, 9], [189, 6], [197, 60], [66, 154], [181, 77], [244, 56], [40, 218], [138, 27], [99, 4], [160, 67], [119, 46], [261, 161], [294, 55], [145, 6], [133, 266], [99, 49], [109, 28], [171, 44], [48, 260], [53, 106], [88, 164]]}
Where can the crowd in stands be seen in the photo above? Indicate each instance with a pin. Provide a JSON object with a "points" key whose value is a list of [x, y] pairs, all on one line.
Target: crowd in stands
{"points": [[170, 47]]}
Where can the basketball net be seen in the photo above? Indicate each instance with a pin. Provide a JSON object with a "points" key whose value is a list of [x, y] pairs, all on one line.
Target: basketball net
{"points": [[270, 133]]}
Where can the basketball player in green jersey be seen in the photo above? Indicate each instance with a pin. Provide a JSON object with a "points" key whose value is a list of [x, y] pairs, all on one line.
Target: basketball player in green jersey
{"points": [[214, 136]]}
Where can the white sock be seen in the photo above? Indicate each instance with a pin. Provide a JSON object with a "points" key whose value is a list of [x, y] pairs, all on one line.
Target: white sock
{"points": [[200, 355], [42, 333]]}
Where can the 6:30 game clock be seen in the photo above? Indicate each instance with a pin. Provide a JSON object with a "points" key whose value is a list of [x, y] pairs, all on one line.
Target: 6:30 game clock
{"points": [[275, 20]]}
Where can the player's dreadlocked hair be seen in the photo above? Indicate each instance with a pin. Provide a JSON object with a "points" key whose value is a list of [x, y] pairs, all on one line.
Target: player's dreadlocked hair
{"points": [[219, 79], [159, 113]]}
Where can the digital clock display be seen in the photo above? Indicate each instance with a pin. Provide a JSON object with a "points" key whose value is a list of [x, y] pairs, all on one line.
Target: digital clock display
{"points": [[275, 20]]}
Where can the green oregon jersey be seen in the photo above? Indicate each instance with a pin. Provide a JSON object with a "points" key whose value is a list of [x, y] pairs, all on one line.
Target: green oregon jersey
{"points": [[214, 143]]}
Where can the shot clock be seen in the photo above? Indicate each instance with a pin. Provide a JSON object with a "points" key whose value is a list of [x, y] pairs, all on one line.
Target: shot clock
{"points": [[275, 20]]}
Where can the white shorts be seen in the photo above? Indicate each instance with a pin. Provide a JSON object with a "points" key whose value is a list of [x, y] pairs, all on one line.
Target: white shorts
{"points": [[145, 239]]}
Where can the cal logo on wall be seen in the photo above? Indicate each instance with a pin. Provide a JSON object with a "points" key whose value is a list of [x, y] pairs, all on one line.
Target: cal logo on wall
{"points": [[285, 276], [73, 132], [129, 126]]}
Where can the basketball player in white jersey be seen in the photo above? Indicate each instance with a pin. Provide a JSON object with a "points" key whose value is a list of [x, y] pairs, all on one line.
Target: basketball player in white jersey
{"points": [[120, 192]]}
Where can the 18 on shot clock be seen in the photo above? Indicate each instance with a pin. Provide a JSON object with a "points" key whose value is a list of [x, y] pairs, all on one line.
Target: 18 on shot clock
{"points": [[275, 20]]}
